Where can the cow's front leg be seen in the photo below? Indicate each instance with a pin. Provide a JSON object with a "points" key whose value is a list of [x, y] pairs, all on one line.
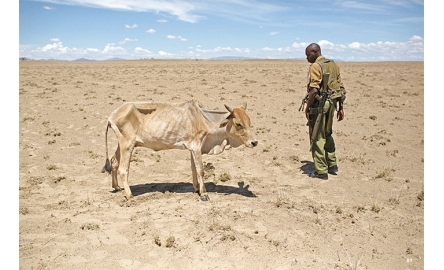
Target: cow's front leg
{"points": [[193, 170], [199, 171]]}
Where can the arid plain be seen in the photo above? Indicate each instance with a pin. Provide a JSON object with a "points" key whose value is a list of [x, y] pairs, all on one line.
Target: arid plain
{"points": [[264, 211]]}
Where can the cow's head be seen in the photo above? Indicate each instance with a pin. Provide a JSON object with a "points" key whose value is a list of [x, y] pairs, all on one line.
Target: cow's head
{"points": [[238, 127]]}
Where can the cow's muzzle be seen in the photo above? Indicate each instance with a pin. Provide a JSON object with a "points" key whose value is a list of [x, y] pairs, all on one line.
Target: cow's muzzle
{"points": [[253, 143]]}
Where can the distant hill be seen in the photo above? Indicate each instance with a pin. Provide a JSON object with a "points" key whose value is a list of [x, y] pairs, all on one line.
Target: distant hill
{"points": [[83, 60], [76, 60], [115, 59], [230, 58], [250, 58]]}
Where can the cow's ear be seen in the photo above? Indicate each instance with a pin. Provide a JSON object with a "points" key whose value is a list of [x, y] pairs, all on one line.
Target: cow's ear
{"points": [[228, 108], [223, 123]]}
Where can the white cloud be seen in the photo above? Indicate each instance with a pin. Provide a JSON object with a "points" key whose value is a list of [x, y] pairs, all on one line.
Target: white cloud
{"points": [[387, 50], [409, 50], [140, 50], [361, 6], [151, 31], [225, 49], [412, 50], [178, 37], [56, 50], [355, 45], [57, 46], [162, 53], [111, 48], [131, 26], [326, 44], [415, 39], [273, 33], [284, 50], [410, 19], [127, 40], [242, 50], [183, 10], [299, 46], [48, 8], [92, 50]]}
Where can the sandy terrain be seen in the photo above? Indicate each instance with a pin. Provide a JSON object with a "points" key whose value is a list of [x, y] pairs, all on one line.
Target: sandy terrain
{"points": [[264, 211]]}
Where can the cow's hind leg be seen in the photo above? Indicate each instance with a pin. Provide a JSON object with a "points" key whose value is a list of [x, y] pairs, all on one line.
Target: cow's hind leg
{"points": [[115, 161], [125, 155]]}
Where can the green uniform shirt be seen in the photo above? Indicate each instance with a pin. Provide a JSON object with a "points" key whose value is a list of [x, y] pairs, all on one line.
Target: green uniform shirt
{"points": [[315, 74]]}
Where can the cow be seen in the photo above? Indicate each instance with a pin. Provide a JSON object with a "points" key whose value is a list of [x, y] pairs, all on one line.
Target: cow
{"points": [[162, 126]]}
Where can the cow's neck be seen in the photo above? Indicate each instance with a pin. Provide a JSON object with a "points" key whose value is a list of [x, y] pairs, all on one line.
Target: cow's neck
{"points": [[215, 142]]}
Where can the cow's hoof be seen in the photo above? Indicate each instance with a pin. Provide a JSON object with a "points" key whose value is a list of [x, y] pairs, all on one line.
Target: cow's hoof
{"points": [[204, 198]]}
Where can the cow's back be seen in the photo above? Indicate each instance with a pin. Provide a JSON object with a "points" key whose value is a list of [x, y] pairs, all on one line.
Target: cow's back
{"points": [[169, 126]]}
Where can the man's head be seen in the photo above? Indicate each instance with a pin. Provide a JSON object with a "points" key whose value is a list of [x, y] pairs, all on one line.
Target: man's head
{"points": [[313, 51]]}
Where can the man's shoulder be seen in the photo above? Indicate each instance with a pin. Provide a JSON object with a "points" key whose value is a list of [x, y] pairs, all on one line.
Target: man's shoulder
{"points": [[316, 65], [320, 57]]}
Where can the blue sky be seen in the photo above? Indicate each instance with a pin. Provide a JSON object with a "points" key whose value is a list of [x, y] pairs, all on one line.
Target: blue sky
{"points": [[359, 30]]}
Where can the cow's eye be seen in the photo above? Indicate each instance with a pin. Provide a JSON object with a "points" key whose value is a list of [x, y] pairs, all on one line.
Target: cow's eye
{"points": [[239, 125]]}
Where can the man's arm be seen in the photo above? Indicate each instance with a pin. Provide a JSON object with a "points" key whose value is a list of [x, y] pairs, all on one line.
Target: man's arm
{"points": [[340, 115], [311, 98], [313, 87]]}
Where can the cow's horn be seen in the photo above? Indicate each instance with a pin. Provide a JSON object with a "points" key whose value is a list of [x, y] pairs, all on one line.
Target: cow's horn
{"points": [[228, 108]]}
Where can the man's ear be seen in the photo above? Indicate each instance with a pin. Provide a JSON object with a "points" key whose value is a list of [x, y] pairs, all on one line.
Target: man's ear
{"points": [[223, 123]]}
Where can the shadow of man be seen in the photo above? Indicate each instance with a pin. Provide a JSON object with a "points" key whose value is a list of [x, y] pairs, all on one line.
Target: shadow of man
{"points": [[307, 167]]}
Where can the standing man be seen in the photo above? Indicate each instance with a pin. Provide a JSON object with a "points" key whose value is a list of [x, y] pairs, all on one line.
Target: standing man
{"points": [[322, 144]]}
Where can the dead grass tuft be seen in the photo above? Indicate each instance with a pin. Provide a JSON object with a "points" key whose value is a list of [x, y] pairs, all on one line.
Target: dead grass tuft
{"points": [[224, 177], [170, 241], [90, 226], [386, 173]]}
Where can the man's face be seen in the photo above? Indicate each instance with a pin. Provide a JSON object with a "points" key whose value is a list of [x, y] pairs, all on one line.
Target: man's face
{"points": [[311, 55]]}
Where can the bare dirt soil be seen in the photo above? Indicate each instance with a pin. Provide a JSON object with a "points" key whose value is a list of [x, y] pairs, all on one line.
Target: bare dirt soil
{"points": [[264, 211]]}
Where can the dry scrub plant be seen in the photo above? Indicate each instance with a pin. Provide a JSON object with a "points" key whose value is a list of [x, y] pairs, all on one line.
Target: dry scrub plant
{"points": [[386, 173], [352, 266], [170, 241]]}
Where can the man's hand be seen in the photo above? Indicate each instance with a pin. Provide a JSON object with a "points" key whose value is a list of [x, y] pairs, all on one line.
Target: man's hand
{"points": [[340, 115]]}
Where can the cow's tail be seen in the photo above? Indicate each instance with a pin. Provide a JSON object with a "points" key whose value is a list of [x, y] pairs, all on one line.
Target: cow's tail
{"points": [[107, 168]]}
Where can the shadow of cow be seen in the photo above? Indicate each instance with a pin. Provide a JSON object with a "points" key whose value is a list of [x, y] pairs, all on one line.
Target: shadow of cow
{"points": [[183, 187]]}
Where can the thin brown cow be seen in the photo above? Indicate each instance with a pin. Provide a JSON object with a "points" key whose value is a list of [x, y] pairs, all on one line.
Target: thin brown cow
{"points": [[162, 126]]}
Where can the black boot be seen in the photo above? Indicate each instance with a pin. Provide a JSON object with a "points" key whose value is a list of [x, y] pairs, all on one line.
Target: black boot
{"points": [[322, 176]]}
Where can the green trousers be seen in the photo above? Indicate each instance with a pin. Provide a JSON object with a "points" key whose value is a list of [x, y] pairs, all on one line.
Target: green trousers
{"points": [[323, 149]]}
